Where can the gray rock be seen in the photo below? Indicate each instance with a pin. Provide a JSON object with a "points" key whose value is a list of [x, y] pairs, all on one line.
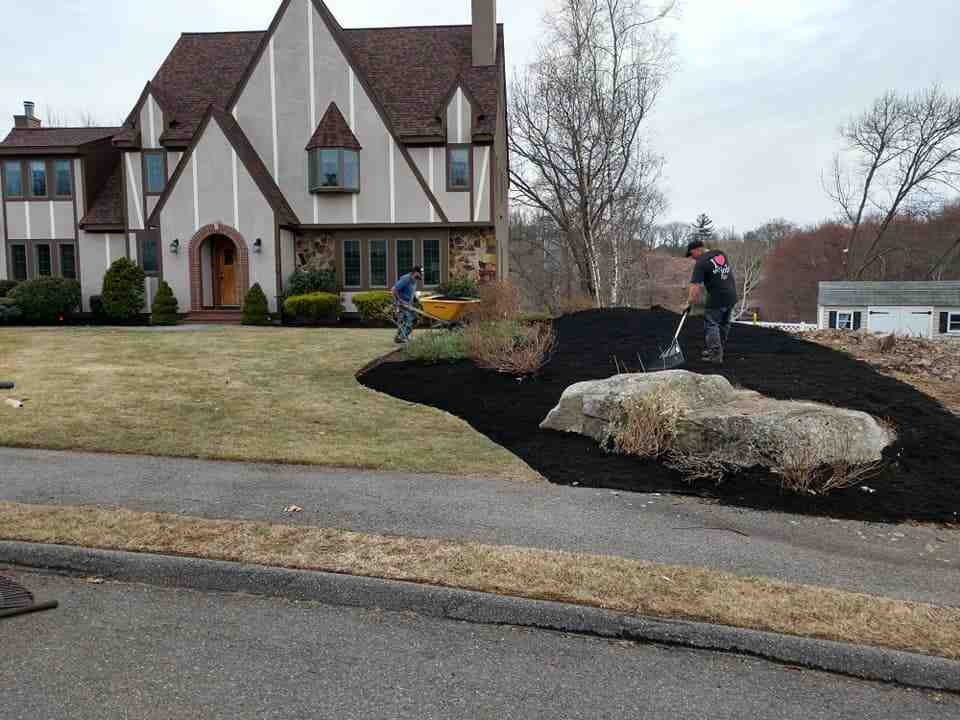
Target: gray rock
{"points": [[739, 427]]}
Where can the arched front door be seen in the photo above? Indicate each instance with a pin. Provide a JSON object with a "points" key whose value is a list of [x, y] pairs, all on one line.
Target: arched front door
{"points": [[223, 256]]}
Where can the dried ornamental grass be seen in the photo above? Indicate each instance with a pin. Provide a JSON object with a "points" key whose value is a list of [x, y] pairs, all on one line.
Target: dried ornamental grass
{"points": [[510, 347]]}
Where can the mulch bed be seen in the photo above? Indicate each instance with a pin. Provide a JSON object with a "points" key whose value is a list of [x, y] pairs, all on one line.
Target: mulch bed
{"points": [[921, 481]]}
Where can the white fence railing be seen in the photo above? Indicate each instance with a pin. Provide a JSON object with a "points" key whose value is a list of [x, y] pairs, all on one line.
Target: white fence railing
{"points": [[789, 327]]}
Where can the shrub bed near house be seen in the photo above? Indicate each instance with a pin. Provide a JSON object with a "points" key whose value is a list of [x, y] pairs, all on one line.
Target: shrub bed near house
{"points": [[435, 347], [165, 310], [460, 287], [373, 306], [255, 308], [8, 310], [46, 300], [306, 282], [318, 308], [123, 295], [6, 286]]}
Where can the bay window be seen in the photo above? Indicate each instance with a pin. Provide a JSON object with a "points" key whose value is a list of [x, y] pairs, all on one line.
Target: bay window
{"points": [[333, 170]]}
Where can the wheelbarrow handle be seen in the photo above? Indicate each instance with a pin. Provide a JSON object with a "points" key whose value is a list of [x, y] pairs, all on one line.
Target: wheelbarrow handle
{"points": [[6, 386]]}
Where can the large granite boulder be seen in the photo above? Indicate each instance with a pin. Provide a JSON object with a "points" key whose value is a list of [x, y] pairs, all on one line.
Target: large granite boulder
{"points": [[738, 427]]}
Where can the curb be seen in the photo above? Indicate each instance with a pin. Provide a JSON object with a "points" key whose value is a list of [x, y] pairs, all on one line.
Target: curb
{"points": [[867, 663]]}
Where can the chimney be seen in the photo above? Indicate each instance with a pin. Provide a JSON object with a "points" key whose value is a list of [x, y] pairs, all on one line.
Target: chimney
{"points": [[484, 33], [28, 119]]}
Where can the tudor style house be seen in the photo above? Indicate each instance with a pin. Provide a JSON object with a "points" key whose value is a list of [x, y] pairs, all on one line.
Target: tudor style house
{"points": [[252, 154]]}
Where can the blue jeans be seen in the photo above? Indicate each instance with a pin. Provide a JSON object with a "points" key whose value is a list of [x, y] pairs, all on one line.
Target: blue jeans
{"points": [[408, 318], [717, 322]]}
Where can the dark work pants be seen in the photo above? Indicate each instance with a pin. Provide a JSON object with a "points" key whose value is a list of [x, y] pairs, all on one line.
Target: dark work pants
{"points": [[717, 323]]}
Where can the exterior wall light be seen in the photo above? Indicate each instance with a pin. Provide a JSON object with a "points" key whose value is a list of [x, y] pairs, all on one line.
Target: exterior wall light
{"points": [[175, 246], [257, 245]]}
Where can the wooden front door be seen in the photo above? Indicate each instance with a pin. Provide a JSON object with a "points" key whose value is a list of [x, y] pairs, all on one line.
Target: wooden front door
{"points": [[225, 291]]}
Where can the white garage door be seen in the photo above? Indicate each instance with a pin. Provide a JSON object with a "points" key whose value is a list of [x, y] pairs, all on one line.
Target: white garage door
{"points": [[901, 321]]}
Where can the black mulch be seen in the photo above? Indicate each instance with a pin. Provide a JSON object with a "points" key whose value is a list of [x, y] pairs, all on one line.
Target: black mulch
{"points": [[921, 481]]}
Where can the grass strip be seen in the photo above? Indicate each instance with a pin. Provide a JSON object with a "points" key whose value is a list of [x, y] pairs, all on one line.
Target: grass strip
{"points": [[630, 586]]}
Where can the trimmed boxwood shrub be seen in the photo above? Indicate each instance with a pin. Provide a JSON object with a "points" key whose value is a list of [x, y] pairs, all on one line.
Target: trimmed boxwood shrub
{"points": [[96, 308], [123, 295], [373, 305], [255, 308], [166, 309], [46, 300], [461, 286], [6, 286], [8, 310], [314, 308], [306, 282]]}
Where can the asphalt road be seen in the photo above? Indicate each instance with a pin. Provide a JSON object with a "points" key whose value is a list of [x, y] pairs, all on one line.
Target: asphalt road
{"points": [[132, 651], [916, 563]]}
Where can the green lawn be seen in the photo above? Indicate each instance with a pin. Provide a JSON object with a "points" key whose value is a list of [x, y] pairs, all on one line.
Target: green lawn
{"points": [[276, 395]]}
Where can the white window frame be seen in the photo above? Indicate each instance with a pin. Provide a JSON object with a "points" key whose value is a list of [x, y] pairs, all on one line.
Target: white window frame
{"points": [[386, 268], [953, 316], [850, 318]]}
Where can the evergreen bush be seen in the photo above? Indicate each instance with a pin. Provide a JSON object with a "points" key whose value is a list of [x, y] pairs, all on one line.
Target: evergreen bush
{"points": [[123, 295], [256, 311], [47, 299], [165, 310], [314, 308]]}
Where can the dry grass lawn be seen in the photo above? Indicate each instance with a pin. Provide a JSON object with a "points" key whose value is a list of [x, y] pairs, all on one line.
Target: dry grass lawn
{"points": [[251, 394], [606, 582]]}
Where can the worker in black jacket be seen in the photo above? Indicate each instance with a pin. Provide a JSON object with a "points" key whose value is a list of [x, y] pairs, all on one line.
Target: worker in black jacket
{"points": [[714, 272]]}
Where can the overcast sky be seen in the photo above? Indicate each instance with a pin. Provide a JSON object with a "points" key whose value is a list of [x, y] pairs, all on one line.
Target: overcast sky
{"points": [[747, 123]]}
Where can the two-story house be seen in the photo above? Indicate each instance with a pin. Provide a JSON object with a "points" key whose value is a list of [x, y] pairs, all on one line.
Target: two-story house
{"points": [[252, 154]]}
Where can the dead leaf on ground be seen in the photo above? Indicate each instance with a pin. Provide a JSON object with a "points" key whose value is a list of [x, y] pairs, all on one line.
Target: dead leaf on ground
{"points": [[293, 509]]}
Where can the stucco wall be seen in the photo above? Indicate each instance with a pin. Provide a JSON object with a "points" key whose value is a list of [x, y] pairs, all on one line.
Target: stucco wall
{"points": [[459, 119], [456, 205], [151, 124], [45, 220], [133, 187], [280, 87], [214, 189], [96, 252]]}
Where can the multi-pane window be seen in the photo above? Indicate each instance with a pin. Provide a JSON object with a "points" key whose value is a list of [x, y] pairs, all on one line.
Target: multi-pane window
{"points": [[63, 180], [19, 256], [953, 323], [352, 264], [13, 178], [150, 253], [378, 263], [405, 261], [38, 178], [431, 262], [333, 169], [844, 321], [458, 168], [44, 261], [68, 262], [154, 172]]}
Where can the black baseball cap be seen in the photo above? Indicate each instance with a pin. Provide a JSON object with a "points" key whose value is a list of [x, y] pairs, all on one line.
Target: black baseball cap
{"points": [[693, 245], [417, 269]]}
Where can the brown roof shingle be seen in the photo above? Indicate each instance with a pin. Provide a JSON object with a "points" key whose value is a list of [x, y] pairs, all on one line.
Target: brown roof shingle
{"points": [[413, 70], [334, 132], [56, 137], [107, 206]]}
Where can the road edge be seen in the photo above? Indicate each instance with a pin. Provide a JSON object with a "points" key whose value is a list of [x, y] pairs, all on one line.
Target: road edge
{"points": [[859, 661]]}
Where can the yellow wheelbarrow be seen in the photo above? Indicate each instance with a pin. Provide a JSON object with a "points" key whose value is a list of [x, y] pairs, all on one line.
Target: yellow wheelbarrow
{"points": [[441, 312]]}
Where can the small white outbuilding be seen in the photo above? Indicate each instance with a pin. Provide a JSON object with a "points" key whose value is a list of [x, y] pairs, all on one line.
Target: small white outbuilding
{"points": [[920, 309]]}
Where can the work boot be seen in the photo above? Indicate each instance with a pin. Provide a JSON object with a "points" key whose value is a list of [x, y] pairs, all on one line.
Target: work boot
{"points": [[715, 358]]}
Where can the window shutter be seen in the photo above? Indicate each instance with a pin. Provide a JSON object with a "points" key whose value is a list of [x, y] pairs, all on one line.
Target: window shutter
{"points": [[857, 320], [833, 320], [944, 322]]}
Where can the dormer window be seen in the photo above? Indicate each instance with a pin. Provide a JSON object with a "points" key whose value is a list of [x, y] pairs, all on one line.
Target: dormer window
{"points": [[334, 170], [333, 155]]}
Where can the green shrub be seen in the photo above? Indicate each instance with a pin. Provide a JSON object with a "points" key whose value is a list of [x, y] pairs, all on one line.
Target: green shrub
{"points": [[306, 282], [461, 286], [165, 310], [96, 307], [8, 310], [373, 305], [434, 347], [255, 308], [317, 307], [47, 299], [6, 286], [123, 294]]}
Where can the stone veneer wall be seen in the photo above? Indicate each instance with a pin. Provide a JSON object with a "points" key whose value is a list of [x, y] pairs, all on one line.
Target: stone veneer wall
{"points": [[473, 253], [316, 252]]}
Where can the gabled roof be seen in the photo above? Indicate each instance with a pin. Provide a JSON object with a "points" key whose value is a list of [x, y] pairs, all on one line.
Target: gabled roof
{"points": [[413, 69], [56, 137], [246, 154], [203, 69], [107, 206], [334, 132]]}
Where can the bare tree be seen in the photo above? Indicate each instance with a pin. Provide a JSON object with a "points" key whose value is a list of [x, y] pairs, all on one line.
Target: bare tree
{"points": [[575, 128], [672, 237], [54, 117], [907, 150]]}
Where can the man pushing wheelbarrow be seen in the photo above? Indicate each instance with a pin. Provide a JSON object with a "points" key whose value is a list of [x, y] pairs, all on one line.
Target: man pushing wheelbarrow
{"points": [[403, 294]]}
